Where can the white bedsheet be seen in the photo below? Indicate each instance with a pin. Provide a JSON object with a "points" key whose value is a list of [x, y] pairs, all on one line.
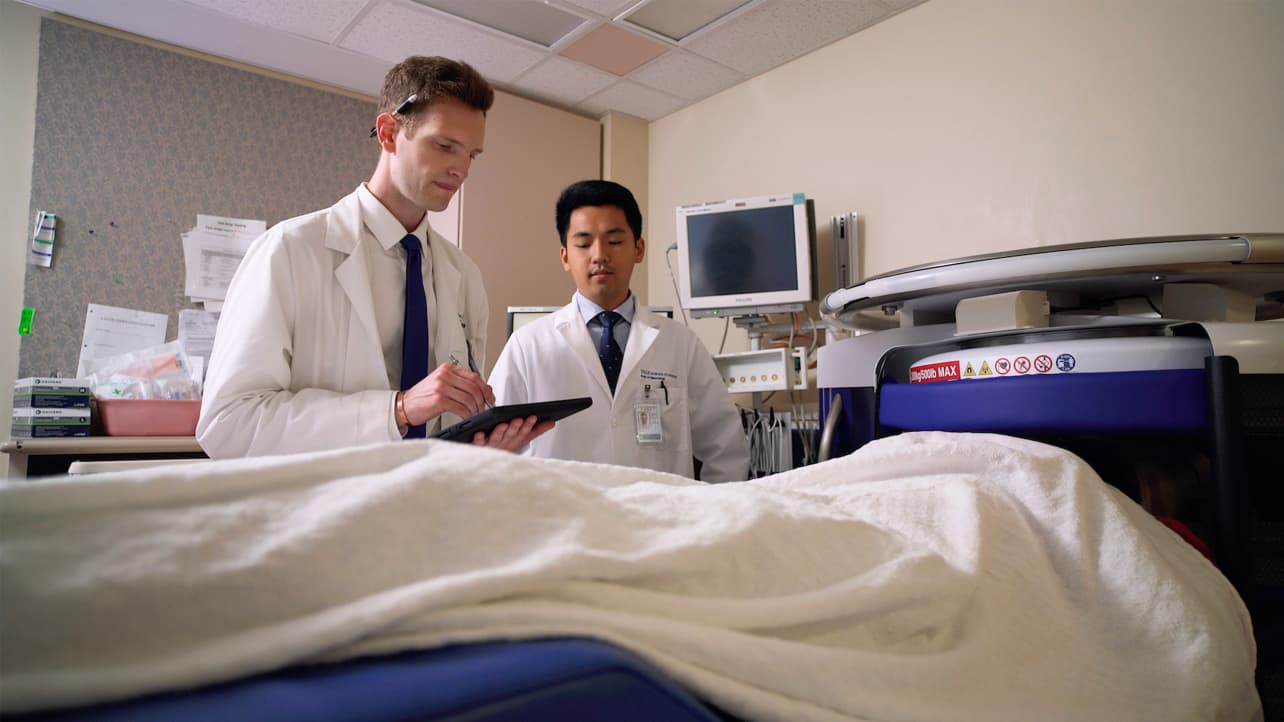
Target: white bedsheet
{"points": [[928, 576]]}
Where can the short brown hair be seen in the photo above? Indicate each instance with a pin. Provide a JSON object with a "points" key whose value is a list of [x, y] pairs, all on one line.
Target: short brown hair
{"points": [[433, 78]]}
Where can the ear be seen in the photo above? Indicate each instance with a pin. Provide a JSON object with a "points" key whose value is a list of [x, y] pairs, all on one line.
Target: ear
{"points": [[566, 266], [386, 128], [639, 250]]}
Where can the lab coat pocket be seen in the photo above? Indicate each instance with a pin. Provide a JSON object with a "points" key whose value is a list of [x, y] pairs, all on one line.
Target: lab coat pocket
{"points": [[676, 436]]}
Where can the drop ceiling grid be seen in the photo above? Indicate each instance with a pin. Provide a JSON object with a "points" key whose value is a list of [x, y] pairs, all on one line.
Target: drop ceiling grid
{"points": [[772, 34], [633, 98], [564, 81], [686, 75], [320, 20], [391, 32], [748, 41]]}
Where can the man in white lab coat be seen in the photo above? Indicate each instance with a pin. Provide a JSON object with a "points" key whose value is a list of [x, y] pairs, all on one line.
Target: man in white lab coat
{"points": [[668, 402], [340, 328]]}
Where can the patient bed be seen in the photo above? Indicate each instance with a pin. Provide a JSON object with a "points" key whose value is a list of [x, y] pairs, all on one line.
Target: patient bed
{"points": [[922, 575], [925, 576]]}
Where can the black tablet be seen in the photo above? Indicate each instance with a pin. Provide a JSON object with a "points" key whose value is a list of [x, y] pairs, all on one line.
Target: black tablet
{"points": [[492, 417]]}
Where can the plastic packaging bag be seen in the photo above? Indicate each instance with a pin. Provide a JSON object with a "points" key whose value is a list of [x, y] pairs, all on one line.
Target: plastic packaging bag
{"points": [[157, 372]]}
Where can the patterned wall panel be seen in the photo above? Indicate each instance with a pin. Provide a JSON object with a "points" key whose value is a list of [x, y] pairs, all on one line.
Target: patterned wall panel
{"points": [[133, 141]]}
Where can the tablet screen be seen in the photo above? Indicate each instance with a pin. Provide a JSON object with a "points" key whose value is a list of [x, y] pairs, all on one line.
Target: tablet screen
{"points": [[490, 418]]}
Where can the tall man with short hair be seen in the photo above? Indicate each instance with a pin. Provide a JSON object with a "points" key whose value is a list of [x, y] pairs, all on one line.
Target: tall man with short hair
{"points": [[359, 324]]}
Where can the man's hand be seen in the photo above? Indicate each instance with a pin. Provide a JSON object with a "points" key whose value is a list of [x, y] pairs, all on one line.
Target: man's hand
{"points": [[512, 435], [449, 388]]}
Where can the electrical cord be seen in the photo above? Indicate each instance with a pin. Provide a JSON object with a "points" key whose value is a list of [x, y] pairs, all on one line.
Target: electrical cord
{"points": [[674, 280]]}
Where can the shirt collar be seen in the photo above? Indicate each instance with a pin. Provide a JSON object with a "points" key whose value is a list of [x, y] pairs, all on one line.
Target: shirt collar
{"points": [[384, 226], [589, 310]]}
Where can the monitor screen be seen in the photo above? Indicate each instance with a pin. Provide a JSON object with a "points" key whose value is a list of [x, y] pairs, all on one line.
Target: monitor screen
{"points": [[746, 256]]}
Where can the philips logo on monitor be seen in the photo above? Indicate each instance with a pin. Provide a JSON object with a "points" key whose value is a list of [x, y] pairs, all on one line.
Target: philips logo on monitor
{"points": [[746, 256]]}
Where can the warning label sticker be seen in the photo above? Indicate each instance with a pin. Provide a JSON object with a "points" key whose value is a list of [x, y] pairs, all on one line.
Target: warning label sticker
{"points": [[1002, 366], [985, 368], [1021, 364], [943, 371], [1043, 363], [969, 372]]}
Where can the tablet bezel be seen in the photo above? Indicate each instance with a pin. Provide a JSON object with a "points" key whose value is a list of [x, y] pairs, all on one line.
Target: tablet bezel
{"points": [[487, 420]]}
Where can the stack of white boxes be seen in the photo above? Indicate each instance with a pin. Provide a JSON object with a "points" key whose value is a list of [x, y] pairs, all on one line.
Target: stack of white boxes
{"points": [[45, 407]]}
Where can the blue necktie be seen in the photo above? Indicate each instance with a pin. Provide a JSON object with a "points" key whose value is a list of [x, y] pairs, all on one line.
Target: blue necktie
{"points": [[607, 349], [414, 328]]}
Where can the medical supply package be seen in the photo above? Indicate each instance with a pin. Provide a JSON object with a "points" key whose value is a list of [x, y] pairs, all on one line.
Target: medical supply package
{"points": [[41, 423], [50, 393], [155, 373]]}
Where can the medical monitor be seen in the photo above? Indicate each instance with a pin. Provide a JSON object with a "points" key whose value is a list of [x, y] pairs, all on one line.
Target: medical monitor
{"points": [[519, 316], [747, 256]]}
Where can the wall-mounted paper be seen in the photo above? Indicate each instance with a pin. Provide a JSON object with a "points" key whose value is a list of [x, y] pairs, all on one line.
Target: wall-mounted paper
{"points": [[42, 239], [212, 250], [110, 331]]}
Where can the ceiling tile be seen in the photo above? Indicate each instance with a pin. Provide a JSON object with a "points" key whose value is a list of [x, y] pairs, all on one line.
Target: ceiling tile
{"points": [[537, 22], [686, 75], [317, 19], [609, 8], [564, 81], [614, 50], [676, 19], [774, 33], [635, 99], [393, 32]]}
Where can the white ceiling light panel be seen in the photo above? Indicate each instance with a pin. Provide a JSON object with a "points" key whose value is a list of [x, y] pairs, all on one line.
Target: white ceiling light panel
{"points": [[392, 32], [531, 20], [676, 19]]}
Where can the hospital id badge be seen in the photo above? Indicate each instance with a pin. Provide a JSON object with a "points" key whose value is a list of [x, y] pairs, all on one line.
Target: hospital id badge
{"points": [[646, 417]]}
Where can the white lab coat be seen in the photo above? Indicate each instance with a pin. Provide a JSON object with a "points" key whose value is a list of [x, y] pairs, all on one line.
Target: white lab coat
{"points": [[554, 358], [297, 364]]}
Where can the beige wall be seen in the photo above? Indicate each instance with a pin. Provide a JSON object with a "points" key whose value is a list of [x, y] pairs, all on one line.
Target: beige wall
{"points": [[19, 35], [624, 160], [507, 211], [968, 126]]}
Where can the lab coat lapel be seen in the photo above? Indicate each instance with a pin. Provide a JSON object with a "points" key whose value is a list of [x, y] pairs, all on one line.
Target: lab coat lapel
{"points": [[575, 333], [343, 234], [448, 330], [642, 333]]}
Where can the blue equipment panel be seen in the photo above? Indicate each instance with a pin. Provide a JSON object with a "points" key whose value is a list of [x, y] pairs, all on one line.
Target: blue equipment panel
{"points": [[549, 680], [1168, 400]]}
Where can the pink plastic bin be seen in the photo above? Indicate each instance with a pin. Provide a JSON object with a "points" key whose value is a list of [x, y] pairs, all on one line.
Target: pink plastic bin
{"points": [[145, 417]]}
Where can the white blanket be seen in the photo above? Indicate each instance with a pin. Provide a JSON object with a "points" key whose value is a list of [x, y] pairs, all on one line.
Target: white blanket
{"points": [[928, 576]]}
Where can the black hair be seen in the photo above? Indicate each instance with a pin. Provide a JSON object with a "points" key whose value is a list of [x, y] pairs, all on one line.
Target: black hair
{"points": [[597, 193]]}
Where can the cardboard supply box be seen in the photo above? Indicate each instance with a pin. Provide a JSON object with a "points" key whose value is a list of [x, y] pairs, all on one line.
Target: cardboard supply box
{"points": [[39, 423], [50, 393]]}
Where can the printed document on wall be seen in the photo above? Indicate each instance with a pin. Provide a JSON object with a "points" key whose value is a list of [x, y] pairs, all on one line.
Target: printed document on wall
{"points": [[212, 250], [111, 331], [196, 333]]}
